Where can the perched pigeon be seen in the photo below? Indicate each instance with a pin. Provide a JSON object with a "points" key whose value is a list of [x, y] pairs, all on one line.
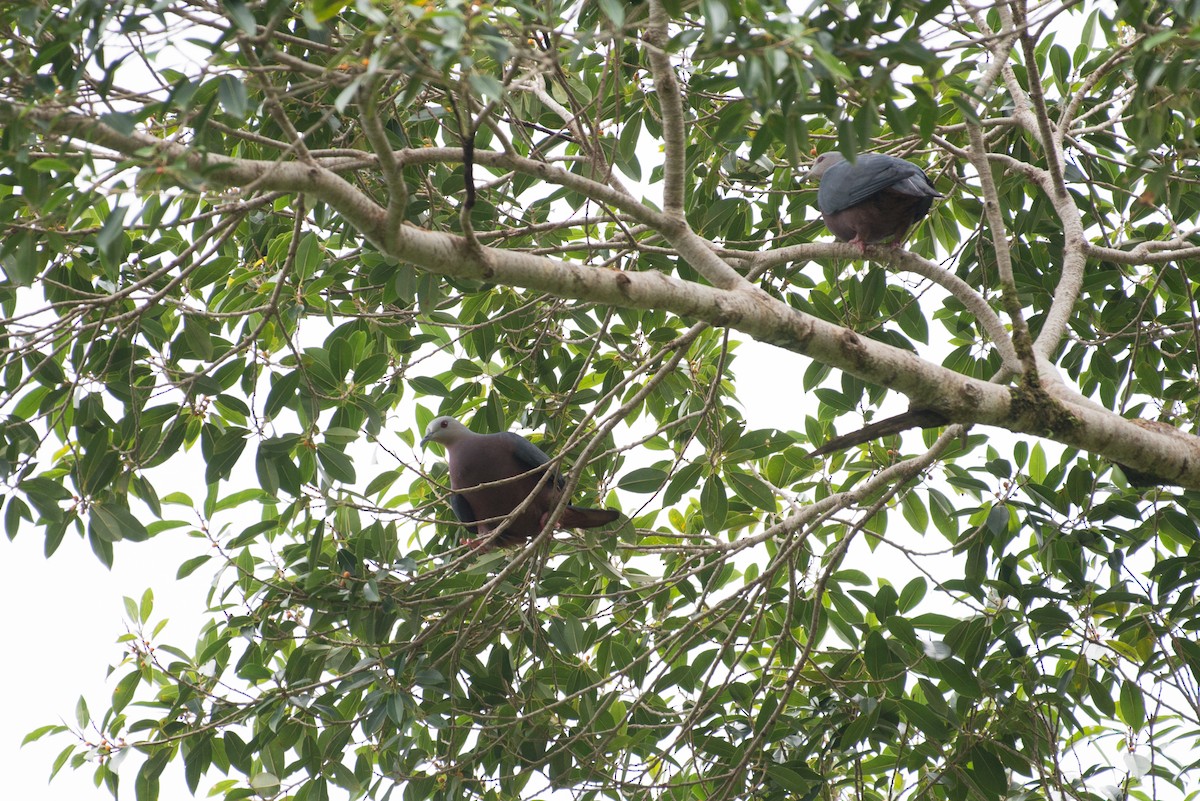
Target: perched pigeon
{"points": [[874, 199], [509, 465]]}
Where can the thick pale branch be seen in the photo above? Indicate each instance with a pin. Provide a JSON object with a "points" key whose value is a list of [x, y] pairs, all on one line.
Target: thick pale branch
{"points": [[696, 250], [536, 83], [670, 104], [904, 261], [1075, 254], [1173, 456], [978, 155], [602, 193], [1031, 112], [693, 248], [1070, 281], [1088, 85], [991, 206], [1153, 252], [1000, 45], [1045, 133], [392, 167]]}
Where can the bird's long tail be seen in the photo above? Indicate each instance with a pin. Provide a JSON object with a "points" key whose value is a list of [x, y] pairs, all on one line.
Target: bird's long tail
{"points": [[913, 418], [581, 517]]}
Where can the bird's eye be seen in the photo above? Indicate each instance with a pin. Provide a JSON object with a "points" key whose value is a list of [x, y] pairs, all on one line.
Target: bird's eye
{"points": [[444, 424]]}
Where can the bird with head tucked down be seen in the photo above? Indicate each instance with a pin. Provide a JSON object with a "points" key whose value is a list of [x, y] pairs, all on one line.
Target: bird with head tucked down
{"points": [[875, 198]]}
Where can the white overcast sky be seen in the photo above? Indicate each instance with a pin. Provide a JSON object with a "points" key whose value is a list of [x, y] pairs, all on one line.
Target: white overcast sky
{"points": [[65, 614]]}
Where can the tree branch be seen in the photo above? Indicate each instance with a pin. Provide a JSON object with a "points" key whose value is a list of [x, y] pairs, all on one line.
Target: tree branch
{"points": [[928, 386], [670, 105]]}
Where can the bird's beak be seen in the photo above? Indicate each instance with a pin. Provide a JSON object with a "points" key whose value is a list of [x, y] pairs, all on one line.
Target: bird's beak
{"points": [[424, 440]]}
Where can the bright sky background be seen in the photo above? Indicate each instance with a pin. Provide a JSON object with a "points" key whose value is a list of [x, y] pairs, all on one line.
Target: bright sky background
{"points": [[66, 613]]}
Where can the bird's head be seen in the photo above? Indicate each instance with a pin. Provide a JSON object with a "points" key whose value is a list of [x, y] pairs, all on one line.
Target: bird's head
{"points": [[445, 430], [823, 163]]}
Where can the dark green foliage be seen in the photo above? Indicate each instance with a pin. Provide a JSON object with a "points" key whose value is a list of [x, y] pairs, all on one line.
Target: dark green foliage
{"points": [[244, 371]]}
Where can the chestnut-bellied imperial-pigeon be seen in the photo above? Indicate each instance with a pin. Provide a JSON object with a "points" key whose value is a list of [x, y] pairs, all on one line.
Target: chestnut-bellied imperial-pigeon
{"points": [[876, 198], [493, 474]]}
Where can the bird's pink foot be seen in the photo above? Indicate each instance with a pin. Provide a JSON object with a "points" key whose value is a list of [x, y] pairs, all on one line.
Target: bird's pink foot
{"points": [[482, 544]]}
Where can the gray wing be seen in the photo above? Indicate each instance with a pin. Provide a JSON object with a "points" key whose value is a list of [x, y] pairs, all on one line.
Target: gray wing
{"points": [[462, 510], [529, 455], [917, 185], [845, 184]]}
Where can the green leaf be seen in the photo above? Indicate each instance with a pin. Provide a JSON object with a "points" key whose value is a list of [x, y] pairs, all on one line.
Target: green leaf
{"points": [[987, 773], [1131, 708], [683, 482], [112, 232], [240, 14], [371, 369], [189, 567], [308, 256], [789, 779], [713, 504], [381, 482], [223, 451], [912, 594], [997, 519], [944, 515], [61, 760], [1037, 463], [931, 724], [878, 658], [614, 10], [958, 677], [146, 607], [425, 385], [146, 786], [1101, 698], [914, 512], [336, 463], [325, 10], [283, 391], [197, 760], [512, 389], [644, 480], [751, 489], [195, 333], [16, 511], [487, 86], [115, 523], [20, 259], [123, 693], [315, 544], [41, 732], [232, 93]]}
